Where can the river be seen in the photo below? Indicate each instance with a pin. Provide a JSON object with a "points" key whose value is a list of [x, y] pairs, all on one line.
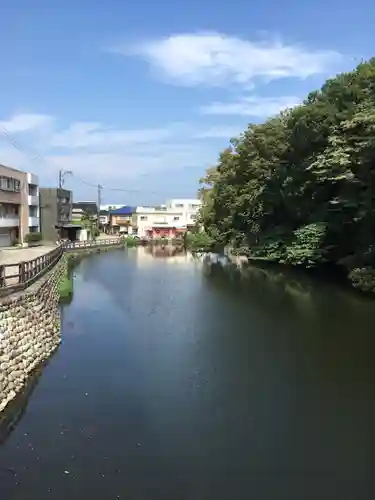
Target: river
{"points": [[179, 380]]}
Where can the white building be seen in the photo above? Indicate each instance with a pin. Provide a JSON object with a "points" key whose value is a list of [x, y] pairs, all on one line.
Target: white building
{"points": [[188, 207], [169, 221], [33, 203]]}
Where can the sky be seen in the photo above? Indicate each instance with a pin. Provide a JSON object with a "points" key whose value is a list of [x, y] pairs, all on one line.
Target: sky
{"points": [[141, 97]]}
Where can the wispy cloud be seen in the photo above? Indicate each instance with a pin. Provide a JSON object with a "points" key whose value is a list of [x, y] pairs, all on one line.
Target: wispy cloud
{"points": [[259, 107], [215, 59], [26, 122], [99, 152]]}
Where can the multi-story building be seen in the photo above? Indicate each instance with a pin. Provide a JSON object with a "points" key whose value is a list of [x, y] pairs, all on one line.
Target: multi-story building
{"points": [[168, 221], [19, 205], [56, 213]]}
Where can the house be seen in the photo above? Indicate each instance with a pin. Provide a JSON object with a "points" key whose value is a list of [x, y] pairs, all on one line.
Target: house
{"points": [[82, 209], [120, 220], [19, 205]]}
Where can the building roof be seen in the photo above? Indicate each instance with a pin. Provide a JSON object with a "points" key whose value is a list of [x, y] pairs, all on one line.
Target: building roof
{"points": [[88, 207], [125, 210]]}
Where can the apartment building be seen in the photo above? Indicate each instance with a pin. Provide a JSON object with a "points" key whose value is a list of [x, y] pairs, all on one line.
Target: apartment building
{"points": [[56, 213], [19, 205]]}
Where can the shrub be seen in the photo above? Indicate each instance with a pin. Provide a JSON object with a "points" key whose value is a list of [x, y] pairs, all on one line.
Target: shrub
{"points": [[199, 241], [33, 237]]}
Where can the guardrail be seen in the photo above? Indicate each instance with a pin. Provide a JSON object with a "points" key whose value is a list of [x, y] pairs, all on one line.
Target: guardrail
{"points": [[14, 277]]}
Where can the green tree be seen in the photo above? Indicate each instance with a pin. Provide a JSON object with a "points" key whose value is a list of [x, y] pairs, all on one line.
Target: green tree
{"points": [[299, 188]]}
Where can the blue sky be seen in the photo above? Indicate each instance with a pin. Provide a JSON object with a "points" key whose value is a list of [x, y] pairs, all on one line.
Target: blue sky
{"points": [[144, 95]]}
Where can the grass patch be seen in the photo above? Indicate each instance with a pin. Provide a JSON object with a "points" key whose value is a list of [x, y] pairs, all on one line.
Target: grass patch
{"points": [[65, 289]]}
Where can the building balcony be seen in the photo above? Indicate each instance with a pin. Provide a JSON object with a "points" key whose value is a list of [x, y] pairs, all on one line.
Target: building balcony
{"points": [[33, 200], [32, 179], [10, 221], [33, 222]]}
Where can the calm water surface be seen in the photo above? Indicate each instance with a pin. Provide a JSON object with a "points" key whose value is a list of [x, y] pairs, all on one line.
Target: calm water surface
{"points": [[183, 381]]}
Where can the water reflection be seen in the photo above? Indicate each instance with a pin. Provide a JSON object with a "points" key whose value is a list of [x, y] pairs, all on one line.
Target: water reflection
{"points": [[164, 251], [189, 378]]}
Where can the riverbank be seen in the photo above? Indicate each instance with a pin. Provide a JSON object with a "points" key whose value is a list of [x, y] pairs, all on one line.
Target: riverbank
{"points": [[29, 331], [361, 280]]}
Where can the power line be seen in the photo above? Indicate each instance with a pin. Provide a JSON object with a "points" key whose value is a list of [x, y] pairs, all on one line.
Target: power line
{"points": [[63, 173]]}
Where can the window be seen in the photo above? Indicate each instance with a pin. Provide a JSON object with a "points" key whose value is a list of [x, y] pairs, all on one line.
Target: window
{"points": [[179, 205], [9, 211], [33, 211], [143, 217], [33, 190], [193, 205], [193, 217], [176, 218], [10, 184]]}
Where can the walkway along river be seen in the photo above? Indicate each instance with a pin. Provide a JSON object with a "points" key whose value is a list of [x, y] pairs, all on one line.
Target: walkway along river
{"points": [[178, 380]]}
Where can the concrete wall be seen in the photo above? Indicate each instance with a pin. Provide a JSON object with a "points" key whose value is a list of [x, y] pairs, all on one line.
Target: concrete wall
{"points": [[29, 331], [48, 213]]}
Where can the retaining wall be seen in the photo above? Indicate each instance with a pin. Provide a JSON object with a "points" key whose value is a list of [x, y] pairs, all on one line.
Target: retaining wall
{"points": [[29, 331]]}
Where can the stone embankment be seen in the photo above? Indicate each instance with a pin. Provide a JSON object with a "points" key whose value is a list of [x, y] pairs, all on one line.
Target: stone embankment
{"points": [[29, 331]]}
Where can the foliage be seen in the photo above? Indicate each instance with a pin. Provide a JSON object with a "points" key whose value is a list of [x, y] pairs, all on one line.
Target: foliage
{"points": [[129, 240], [199, 241], [300, 187], [65, 288], [33, 237]]}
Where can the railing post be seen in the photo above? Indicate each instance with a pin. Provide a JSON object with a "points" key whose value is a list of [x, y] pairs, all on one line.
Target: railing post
{"points": [[21, 272], [2, 275]]}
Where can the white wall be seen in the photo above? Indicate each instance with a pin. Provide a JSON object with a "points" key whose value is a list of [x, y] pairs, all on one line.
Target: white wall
{"points": [[188, 206], [33, 201], [147, 218]]}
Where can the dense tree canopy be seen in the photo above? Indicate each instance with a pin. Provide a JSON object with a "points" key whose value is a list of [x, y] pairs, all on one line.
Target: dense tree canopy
{"points": [[299, 188]]}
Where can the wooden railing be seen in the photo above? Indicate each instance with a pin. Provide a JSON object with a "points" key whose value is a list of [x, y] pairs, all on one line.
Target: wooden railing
{"points": [[18, 276], [14, 277], [81, 245]]}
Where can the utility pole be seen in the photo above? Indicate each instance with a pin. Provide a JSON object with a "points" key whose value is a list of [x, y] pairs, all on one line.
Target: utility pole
{"points": [[100, 187], [62, 174]]}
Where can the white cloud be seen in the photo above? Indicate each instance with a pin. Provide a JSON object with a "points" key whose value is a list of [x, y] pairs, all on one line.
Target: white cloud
{"points": [[110, 155], [86, 134], [214, 59], [25, 122], [260, 107]]}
